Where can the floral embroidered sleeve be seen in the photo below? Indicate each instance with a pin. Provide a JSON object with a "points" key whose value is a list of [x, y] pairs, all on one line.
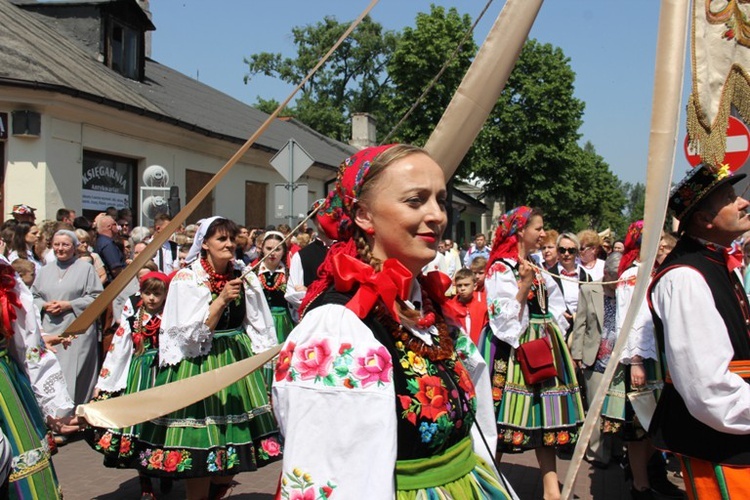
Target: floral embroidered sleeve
{"points": [[485, 426], [641, 340], [508, 318], [38, 363], [258, 320], [184, 333], [332, 374], [113, 376]]}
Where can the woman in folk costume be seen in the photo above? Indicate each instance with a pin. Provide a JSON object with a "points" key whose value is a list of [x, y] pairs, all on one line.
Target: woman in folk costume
{"points": [[131, 366], [212, 318], [273, 274], [32, 389], [373, 359], [638, 370], [525, 305]]}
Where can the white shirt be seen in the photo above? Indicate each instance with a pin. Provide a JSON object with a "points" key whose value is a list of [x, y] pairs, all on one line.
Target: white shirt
{"points": [[359, 455], [508, 319], [641, 340], [184, 333], [296, 277], [698, 352]]}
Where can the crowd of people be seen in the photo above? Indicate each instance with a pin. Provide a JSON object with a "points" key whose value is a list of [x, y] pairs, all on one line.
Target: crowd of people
{"points": [[428, 361]]}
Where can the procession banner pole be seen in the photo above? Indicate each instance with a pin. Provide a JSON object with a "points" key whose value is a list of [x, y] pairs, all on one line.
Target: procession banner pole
{"points": [[482, 84], [93, 311], [665, 116]]}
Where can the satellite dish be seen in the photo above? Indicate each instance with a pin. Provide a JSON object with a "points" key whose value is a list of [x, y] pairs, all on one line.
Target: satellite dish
{"points": [[154, 205], [156, 176]]}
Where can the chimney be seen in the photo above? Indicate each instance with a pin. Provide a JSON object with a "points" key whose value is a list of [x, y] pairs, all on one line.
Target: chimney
{"points": [[147, 9], [363, 130]]}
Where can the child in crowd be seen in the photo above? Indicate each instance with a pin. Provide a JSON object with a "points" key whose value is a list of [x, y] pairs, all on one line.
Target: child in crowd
{"points": [[26, 270], [479, 267], [473, 311], [130, 366]]}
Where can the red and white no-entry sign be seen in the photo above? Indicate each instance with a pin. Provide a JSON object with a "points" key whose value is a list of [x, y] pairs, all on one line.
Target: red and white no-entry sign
{"points": [[738, 146]]}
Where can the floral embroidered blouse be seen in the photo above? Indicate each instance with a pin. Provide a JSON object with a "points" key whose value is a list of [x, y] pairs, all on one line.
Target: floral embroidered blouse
{"points": [[113, 376], [26, 347], [508, 318], [641, 340], [351, 400], [184, 333]]}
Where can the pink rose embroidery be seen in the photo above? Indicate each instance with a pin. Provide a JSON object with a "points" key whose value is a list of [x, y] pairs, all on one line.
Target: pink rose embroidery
{"points": [[313, 360], [271, 446], [308, 494], [375, 367]]}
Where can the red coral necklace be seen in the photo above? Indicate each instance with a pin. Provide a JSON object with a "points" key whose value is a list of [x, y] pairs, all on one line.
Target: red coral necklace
{"points": [[216, 281]]}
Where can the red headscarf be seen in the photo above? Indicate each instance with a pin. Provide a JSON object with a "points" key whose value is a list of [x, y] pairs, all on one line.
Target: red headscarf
{"points": [[336, 216], [632, 246], [505, 242]]}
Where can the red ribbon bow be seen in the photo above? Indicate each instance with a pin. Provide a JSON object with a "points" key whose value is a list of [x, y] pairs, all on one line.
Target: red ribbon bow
{"points": [[389, 284], [733, 257]]}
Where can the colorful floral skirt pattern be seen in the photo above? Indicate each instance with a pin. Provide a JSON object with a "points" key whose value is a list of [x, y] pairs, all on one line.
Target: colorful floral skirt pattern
{"points": [[457, 473], [618, 416], [117, 445], [31, 474], [231, 431], [529, 416]]}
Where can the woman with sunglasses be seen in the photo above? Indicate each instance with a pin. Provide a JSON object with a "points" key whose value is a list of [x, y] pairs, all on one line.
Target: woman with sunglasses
{"points": [[590, 243], [568, 273]]}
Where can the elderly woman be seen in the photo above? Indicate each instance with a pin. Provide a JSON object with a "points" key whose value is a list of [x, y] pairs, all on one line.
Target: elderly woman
{"points": [[212, 317], [375, 392], [62, 290], [549, 249], [86, 251], [526, 315]]}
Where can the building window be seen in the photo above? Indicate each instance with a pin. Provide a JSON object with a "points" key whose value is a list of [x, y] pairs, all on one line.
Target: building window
{"points": [[124, 50], [108, 181]]}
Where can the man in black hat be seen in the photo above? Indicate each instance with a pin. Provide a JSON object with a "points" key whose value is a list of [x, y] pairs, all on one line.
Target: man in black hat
{"points": [[702, 325], [23, 213]]}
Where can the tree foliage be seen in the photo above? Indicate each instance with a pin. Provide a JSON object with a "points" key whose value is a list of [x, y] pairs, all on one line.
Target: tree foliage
{"points": [[528, 151], [351, 81]]}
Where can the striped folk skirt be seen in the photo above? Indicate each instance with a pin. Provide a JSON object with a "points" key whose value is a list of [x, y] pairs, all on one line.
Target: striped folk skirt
{"points": [[618, 416], [31, 474], [117, 445], [231, 431], [529, 416]]}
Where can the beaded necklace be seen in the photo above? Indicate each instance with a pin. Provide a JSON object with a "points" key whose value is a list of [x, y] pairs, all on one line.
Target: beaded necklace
{"points": [[279, 282], [442, 347], [216, 281], [143, 330]]}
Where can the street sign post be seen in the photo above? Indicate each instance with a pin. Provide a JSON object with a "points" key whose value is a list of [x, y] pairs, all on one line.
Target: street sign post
{"points": [[291, 162], [282, 193], [738, 146]]}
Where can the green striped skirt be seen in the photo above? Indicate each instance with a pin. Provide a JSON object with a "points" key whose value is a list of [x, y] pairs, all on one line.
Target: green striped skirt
{"points": [[456, 473], [618, 416], [282, 321], [32, 474], [117, 444], [533, 415], [231, 431]]}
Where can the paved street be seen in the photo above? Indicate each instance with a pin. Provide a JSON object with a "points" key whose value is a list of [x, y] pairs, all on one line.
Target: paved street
{"points": [[83, 476]]}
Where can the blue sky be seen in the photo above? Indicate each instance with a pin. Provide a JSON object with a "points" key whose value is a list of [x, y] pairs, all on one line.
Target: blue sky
{"points": [[611, 46]]}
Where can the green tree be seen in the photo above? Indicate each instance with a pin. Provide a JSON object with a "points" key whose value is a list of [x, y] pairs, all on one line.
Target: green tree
{"points": [[352, 80], [420, 54], [635, 195], [528, 150]]}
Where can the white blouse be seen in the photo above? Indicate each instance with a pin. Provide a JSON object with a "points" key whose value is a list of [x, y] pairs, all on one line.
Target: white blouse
{"points": [[184, 333], [40, 365], [113, 376], [641, 341], [357, 451], [508, 318], [698, 352]]}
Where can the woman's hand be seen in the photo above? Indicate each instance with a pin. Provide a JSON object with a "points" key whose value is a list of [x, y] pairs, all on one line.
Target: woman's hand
{"points": [[55, 307], [300, 288], [231, 291], [64, 425], [637, 375], [526, 278], [52, 340]]}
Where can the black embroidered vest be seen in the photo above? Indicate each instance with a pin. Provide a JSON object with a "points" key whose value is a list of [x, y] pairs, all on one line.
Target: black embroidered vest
{"points": [[312, 256], [673, 427]]}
